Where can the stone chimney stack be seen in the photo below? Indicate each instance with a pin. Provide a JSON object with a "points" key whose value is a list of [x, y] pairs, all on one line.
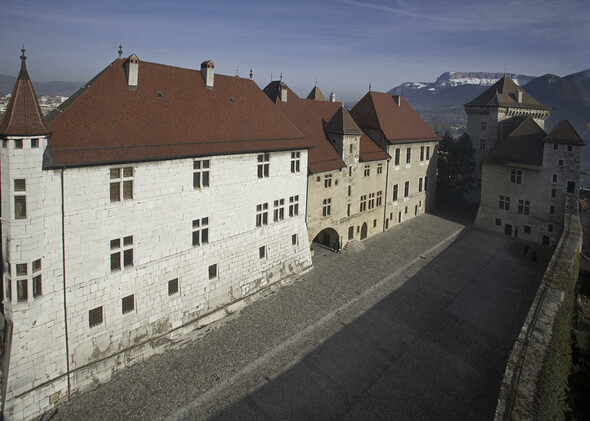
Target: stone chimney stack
{"points": [[283, 91], [208, 72], [519, 96], [132, 70], [332, 97]]}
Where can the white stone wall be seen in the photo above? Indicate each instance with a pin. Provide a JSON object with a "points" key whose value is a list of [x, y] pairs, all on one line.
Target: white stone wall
{"points": [[416, 202], [537, 187], [159, 217], [37, 354]]}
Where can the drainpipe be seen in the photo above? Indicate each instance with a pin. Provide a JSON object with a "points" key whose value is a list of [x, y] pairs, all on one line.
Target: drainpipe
{"points": [[385, 197], [63, 255]]}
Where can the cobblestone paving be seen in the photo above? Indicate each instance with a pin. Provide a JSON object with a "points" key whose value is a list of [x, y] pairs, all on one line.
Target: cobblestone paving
{"points": [[418, 324]]}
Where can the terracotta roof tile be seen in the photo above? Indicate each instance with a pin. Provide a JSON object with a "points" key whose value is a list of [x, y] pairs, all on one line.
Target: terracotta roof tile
{"points": [[370, 151], [503, 93], [316, 94], [171, 114], [523, 146], [23, 114], [342, 123], [564, 132], [399, 124]]}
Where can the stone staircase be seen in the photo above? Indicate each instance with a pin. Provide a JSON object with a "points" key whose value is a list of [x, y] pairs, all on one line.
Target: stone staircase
{"points": [[354, 246]]}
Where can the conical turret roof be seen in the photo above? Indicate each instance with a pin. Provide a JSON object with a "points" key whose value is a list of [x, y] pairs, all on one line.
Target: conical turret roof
{"points": [[342, 123], [316, 94], [23, 116]]}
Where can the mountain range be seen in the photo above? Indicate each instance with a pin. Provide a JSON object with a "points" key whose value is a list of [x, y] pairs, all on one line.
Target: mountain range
{"points": [[440, 103], [41, 88]]}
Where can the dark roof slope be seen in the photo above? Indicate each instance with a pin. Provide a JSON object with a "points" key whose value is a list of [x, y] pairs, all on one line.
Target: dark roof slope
{"points": [[23, 116], [564, 132], [523, 146], [342, 123], [503, 93], [171, 114], [316, 94]]}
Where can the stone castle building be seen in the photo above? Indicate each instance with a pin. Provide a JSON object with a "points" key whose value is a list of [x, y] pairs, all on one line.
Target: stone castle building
{"points": [[526, 175], [156, 196]]}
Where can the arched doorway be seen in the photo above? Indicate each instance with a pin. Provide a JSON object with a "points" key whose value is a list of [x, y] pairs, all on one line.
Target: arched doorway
{"points": [[364, 231], [328, 237]]}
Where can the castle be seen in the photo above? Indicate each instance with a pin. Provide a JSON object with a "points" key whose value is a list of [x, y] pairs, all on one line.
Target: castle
{"points": [[156, 196]]}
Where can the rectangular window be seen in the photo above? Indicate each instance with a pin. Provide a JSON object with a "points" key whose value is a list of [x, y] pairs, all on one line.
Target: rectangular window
{"points": [[407, 189], [294, 205], [262, 214], [421, 153], [200, 231], [527, 229], [95, 317], [551, 210], [34, 143], [425, 183], [262, 252], [560, 162], [371, 200], [555, 147], [504, 202], [428, 153], [201, 173], [571, 186], [498, 222], [524, 206], [516, 176], [279, 210], [173, 286], [20, 200], [295, 162], [348, 210], [420, 181], [127, 304], [554, 178], [213, 271], [349, 190], [22, 293], [380, 168], [121, 183], [408, 155], [21, 269], [117, 251], [374, 223], [328, 180], [350, 148], [263, 165], [395, 188], [483, 126], [36, 267], [294, 240], [326, 207], [550, 227], [379, 198], [553, 193], [18, 144], [367, 170], [8, 283], [482, 144], [363, 206], [350, 171], [397, 156]]}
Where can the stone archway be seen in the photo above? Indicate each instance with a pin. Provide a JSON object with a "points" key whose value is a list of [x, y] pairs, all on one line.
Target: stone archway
{"points": [[364, 231], [328, 237]]}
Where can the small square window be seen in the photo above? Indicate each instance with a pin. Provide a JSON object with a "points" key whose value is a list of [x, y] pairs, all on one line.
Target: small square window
{"points": [[569, 148], [36, 265], [20, 185], [555, 146], [127, 241], [95, 317], [18, 144], [115, 244], [128, 304], [527, 229], [498, 222], [213, 271], [21, 269], [34, 143], [173, 286], [262, 252], [560, 162]]}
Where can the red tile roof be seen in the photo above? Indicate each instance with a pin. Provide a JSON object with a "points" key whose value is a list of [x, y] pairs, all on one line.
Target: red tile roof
{"points": [[503, 93], [399, 124], [316, 94], [23, 116], [342, 123], [171, 114]]}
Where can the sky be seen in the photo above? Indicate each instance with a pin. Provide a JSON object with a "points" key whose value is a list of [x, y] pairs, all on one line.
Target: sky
{"points": [[344, 44]]}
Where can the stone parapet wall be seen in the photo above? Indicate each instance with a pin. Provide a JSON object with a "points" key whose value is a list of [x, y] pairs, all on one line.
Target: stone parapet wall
{"points": [[537, 370]]}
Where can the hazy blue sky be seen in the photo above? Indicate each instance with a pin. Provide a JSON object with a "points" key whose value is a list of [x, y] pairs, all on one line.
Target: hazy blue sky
{"points": [[345, 43]]}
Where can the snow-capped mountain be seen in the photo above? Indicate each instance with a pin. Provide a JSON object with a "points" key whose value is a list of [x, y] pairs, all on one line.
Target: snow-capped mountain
{"points": [[451, 88]]}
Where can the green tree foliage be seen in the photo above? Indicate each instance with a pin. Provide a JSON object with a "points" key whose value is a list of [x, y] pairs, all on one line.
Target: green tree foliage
{"points": [[455, 167]]}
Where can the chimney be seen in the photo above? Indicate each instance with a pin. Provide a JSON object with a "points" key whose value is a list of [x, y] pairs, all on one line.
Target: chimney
{"points": [[332, 97], [132, 70], [519, 96], [283, 91], [208, 71], [398, 100]]}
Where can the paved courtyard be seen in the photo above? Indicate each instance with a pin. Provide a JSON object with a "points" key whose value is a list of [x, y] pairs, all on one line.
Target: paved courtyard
{"points": [[415, 323]]}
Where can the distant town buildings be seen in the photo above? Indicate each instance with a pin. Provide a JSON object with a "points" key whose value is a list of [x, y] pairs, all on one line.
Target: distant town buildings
{"points": [[155, 196], [46, 102]]}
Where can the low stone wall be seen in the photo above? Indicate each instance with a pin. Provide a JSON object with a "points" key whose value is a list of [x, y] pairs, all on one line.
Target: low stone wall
{"points": [[537, 370]]}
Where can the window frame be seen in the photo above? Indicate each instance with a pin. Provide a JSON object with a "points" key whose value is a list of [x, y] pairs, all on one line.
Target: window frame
{"points": [[118, 181], [263, 166], [201, 173]]}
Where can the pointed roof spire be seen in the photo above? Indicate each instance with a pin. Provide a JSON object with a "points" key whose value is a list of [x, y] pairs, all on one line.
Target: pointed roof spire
{"points": [[120, 51], [23, 116], [342, 123], [316, 94], [369, 86], [251, 74]]}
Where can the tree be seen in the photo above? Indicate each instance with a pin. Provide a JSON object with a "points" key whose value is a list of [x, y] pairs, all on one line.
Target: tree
{"points": [[455, 167]]}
